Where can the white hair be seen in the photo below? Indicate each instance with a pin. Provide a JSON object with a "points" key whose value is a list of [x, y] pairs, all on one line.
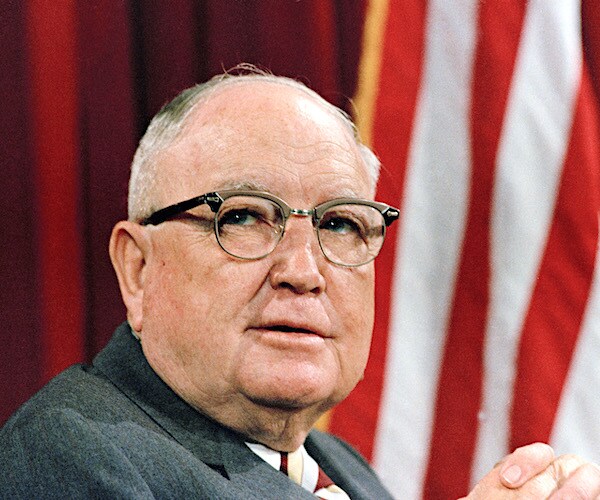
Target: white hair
{"points": [[168, 123]]}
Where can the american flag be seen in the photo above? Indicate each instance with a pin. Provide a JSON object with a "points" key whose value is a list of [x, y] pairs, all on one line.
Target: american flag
{"points": [[487, 337]]}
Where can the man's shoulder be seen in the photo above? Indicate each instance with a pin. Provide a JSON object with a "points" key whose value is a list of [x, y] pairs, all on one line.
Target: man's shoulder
{"points": [[80, 435], [81, 389], [77, 389]]}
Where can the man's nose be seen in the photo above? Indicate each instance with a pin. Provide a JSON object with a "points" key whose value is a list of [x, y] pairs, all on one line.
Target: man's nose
{"points": [[297, 259]]}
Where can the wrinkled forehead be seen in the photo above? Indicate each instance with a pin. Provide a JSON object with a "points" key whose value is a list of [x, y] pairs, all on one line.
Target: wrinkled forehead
{"points": [[266, 129]]}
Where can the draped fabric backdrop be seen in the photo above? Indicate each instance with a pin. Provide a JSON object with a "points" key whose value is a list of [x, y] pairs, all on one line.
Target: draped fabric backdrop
{"points": [[79, 81], [485, 115]]}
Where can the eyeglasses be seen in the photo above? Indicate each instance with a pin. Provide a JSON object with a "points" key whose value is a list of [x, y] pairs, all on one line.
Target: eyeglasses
{"points": [[250, 224]]}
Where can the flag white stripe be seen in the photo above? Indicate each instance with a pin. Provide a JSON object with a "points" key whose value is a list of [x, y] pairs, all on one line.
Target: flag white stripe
{"points": [[434, 209], [530, 159], [580, 403]]}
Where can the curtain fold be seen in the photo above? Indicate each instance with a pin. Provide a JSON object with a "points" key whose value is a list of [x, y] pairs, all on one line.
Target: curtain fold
{"points": [[79, 82]]}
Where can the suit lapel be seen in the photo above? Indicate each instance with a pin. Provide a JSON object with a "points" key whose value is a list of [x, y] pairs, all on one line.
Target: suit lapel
{"points": [[125, 365], [347, 471], [123, 362]]}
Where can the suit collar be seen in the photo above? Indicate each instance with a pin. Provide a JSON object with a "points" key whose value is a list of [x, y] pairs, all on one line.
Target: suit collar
{"points": [[327, 450], [124, 364]]}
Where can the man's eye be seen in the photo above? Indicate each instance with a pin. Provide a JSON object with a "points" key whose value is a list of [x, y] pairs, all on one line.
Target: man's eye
{"points": [[341, 225], [241, 217]]}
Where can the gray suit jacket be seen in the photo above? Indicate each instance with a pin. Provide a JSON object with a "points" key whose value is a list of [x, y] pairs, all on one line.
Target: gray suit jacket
{"points": [[116, 430]]}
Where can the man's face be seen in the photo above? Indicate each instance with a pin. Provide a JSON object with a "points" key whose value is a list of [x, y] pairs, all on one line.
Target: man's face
{"points": [[291, 330]]}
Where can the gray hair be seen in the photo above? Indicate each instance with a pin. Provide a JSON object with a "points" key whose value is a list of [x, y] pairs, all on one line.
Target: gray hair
{"points": [[168, 123]]}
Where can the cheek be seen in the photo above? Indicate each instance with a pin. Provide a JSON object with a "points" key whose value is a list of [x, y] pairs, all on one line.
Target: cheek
{"points": [[175, 292], [190, 321], [357, 293], [201, 297], [357, 318]]}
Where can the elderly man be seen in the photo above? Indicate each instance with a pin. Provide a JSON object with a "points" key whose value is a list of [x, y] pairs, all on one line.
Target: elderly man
{"points": [[246, 267]]}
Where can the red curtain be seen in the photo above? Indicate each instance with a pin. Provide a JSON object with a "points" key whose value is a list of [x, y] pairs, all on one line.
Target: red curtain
{"points": [[79, 81]]}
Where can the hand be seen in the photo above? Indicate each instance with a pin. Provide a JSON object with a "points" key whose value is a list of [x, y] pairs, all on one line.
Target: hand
{"points": [[533, 472]]}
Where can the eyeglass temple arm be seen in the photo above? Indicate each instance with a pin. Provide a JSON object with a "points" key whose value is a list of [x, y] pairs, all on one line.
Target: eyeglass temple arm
{"points": [[213, 200]]}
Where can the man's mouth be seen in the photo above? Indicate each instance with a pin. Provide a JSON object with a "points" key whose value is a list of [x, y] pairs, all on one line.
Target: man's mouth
{"points": [[289, 329]]}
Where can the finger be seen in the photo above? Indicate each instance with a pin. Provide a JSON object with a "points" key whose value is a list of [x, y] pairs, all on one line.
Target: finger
{"points": [[581, 484], [524, 463]]}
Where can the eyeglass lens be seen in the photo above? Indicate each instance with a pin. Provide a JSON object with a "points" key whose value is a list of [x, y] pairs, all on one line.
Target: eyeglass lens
{"points": [[250, 227]]}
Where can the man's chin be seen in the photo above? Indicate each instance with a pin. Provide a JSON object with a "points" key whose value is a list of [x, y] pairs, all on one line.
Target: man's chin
{"points": [[283, 403]]}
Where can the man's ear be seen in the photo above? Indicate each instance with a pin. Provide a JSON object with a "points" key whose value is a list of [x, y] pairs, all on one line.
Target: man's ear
{"points": [[128, 248]]}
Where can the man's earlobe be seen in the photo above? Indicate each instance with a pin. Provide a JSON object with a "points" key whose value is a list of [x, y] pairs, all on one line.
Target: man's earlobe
{"points": [[128, 248]]}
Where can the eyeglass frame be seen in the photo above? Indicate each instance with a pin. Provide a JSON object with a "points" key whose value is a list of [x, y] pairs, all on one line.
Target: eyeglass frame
{"points": [[215, 200]]}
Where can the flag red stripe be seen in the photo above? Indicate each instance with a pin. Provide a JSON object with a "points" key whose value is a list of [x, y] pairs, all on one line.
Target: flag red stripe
{"points": [[52, 50], [356, 418], [558, 303], [453, 439], [590, 20]]}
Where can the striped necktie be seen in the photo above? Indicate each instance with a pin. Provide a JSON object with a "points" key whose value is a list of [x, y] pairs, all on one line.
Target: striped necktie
{"points": [[303, 470]]}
